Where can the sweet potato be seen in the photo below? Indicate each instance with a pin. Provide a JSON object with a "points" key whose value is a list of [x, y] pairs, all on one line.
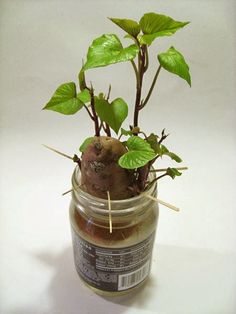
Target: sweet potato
{"points": [[100, 171]]}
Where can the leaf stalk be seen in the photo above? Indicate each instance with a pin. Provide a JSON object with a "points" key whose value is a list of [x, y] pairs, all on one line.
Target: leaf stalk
{"points": [[95, 117], [151, 88]]}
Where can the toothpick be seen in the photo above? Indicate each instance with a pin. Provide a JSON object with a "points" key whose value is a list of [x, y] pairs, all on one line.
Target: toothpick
{"points": [[56, 151], [163, 203], [165, 169], [109, 208], [71, 190]]}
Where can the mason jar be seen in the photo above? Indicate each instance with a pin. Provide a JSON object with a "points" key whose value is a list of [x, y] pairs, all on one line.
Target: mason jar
{"points": [[113, 245]]}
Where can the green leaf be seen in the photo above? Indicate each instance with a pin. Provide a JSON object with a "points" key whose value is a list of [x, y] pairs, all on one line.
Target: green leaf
{"points": [[139, 154], [108, 49], [173, 156], [113, 114], [135, 159], [85, 144], [162, 150], [152, 139], [174, 62], [64, 100], [139, 144], [173, 172], [101, 96], [129, 26], [126, 132], [156, 25], [84, 96], [127, 36], [82, 82]]}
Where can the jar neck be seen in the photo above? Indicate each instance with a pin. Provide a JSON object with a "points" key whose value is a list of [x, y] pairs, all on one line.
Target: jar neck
{"points": [[121, 209]]}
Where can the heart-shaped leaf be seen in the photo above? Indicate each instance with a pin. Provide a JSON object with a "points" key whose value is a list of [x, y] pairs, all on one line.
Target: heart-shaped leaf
{"points": [[108, 49], [139, 154], [64, 100], [138, 144], [135, 159], [156, 25], [173, 61], [129, 26], [113, 114]]}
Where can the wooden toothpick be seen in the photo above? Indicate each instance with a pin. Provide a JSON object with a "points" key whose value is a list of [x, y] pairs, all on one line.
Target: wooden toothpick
{"points": [[163, 203], [165, 169], [109, 208], [71, 190], [57, 151]]}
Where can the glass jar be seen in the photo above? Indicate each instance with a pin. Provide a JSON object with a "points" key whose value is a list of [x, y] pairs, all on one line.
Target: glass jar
{"points": [[118, 260]]}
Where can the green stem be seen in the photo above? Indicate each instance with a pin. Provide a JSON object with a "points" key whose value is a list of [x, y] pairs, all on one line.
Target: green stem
{"points": [[135, 71], [151, 88], [147, 58]]}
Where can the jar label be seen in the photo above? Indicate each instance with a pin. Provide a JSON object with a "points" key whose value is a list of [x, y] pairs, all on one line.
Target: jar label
{"points": [[112, 269]]}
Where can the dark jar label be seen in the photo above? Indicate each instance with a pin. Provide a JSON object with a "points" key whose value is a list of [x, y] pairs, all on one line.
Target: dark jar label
{"points": [[112, 269]]}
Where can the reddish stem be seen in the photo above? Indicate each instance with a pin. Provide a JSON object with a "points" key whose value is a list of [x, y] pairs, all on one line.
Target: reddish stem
{"points": [[96, 123], [141, 70]]}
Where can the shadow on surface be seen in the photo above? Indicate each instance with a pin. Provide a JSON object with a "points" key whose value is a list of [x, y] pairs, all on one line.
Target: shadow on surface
{"points": [[68, 294], [184, 276]]}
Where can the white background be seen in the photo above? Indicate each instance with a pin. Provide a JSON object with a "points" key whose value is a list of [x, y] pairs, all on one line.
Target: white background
{"points": [[42, 45]]}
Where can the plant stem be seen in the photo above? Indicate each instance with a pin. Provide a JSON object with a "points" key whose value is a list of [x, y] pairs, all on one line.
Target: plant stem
{"points": [[87, 109], [144, 134], [96, 123], [147, 59], [141, 68], [100, 126], [163, 136], [135, 71], [157, 178], [109, 92], [151, 88], [108, 130]]}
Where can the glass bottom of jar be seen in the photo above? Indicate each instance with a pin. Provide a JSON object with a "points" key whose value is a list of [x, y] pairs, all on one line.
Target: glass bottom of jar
{"points": [[105, 293]]}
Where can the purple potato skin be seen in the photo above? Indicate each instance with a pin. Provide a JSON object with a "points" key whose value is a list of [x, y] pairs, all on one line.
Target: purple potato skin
{"points": [[100, 171]]}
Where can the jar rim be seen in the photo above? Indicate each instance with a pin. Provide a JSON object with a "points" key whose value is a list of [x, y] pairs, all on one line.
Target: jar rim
{"points": [[100, 205]]}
